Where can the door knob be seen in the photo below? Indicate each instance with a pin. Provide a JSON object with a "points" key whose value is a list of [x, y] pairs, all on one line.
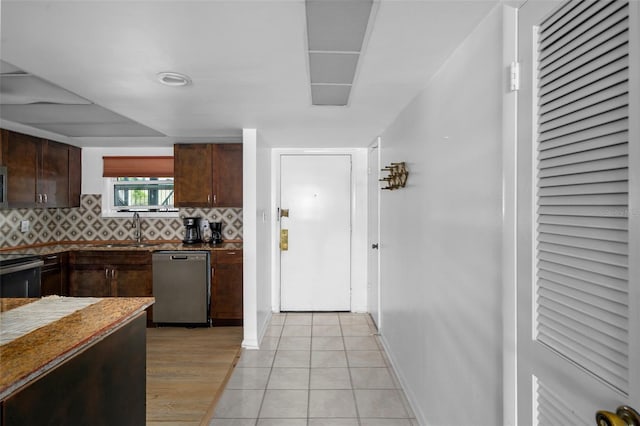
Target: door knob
{"points": [[624, 416]]}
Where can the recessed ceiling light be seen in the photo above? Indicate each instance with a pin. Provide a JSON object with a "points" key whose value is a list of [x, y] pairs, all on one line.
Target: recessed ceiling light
{"points": [[173, 79]]}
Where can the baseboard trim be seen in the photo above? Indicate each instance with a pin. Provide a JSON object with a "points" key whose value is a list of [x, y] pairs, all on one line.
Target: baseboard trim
{"points": [[410, 396]]}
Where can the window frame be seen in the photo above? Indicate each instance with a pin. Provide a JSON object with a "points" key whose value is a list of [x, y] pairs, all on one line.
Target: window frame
{"points": [[109, 210]]}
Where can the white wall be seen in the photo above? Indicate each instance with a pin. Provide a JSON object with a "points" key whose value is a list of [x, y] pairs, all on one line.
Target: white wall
{"points": [[250, 238], [257, 216], [440, 242], [264, 243]]}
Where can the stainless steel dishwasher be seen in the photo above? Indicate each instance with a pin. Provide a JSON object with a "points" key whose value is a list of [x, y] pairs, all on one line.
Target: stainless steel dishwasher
{"points": [[181, 286]]}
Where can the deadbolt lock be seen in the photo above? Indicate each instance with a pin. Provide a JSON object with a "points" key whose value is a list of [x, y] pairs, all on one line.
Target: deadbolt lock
{"points": [[284, 239]]}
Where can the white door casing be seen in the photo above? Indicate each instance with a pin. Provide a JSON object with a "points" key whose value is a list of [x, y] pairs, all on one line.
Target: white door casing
{"points": [[578, 236], [316, 267], [373, 239]]}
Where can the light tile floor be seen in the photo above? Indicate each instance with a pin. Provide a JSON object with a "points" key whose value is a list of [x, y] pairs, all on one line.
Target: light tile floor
{"points": [[315, 369]]}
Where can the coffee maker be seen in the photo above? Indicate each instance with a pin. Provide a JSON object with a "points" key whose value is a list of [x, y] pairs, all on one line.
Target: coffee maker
{"points": [[216, 232], [192, 233]]}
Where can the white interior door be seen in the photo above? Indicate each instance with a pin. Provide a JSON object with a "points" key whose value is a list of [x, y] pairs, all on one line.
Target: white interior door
{"points": [[315, 272], [578, 246], [373, 224]]}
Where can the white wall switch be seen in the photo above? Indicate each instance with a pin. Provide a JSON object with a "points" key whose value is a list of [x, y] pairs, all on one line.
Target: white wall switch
{"points": [[24, 226]]}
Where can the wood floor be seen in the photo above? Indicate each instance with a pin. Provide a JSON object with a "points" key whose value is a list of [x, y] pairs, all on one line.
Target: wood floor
{"points": [[187, 369]]}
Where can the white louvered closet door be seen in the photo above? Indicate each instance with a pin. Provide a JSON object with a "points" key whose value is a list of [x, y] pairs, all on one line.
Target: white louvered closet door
{"points": [[578, 259]]}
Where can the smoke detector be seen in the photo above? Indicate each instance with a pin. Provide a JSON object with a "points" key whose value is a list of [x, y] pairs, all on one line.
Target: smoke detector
{"points": [[174, 79]]}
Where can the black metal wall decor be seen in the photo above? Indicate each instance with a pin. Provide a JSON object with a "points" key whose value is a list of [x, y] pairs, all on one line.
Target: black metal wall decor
{"points": [[397, 177]]}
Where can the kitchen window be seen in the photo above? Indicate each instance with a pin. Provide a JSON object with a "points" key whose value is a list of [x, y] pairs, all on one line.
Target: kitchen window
{"points": [[150, 196], [142, 193], [138, 184]]}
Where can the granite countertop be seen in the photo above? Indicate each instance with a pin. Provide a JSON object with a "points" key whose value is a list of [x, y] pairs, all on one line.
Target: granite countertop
{"points": [[31, 355], [157, 245]]}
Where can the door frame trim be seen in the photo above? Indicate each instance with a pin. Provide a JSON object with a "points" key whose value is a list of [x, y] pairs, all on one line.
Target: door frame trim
{"points": [[358, 220], [509, 222], [377, 145]]}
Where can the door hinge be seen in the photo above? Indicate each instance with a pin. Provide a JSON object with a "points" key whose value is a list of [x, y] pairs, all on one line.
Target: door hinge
{"points": [[514, 76]]}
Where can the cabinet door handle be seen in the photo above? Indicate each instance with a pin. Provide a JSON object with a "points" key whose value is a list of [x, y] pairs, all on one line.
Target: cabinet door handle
{"points": [[46, 199], [229, 253], [113, 273], [215, 198], [106, 273], [208, 198], [52, 257], [39, 198]]}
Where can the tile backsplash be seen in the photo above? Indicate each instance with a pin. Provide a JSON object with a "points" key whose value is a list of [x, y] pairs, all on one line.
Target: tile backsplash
{"points": [[85, 223]]}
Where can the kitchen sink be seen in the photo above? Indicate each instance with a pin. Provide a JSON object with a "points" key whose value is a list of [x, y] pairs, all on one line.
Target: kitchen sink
{"points": [[131, 244]]}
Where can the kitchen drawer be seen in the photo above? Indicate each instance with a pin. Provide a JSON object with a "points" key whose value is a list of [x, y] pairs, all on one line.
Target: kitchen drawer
{"points": [[52, 260], [227, 256]]}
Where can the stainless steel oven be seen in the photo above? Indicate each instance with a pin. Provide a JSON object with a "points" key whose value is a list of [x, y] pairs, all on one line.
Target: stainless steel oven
{"points": [[4, 203], [20, 275]]}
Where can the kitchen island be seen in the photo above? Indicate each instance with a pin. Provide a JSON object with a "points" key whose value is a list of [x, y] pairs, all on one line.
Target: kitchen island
{"points": [[86, 367]]}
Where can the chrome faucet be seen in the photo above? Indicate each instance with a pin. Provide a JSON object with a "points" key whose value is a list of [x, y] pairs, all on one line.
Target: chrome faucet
{"points": [[137, 233]]}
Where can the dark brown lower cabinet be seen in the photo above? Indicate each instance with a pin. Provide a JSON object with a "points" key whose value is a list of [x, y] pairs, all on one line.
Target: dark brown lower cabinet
{"points": [[111, 274], [103, 385], [226, 287], [54, 275]]}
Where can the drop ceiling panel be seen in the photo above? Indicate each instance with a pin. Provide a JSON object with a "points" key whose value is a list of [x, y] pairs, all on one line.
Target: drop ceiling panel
{"points": [[99, 129], [330, 95], [7, 68], [338, 26], [332, 67], [54, 113], [28, 89]]}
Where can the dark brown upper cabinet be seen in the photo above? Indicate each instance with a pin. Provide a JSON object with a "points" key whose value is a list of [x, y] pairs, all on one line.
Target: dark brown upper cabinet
{"points": [[192, 175], [53, 179], [40, 173], [20, 156], [75, 175], [207, 175]]}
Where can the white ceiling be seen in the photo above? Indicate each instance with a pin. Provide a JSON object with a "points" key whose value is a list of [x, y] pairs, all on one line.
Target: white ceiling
{"points": [[248, 61]]}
